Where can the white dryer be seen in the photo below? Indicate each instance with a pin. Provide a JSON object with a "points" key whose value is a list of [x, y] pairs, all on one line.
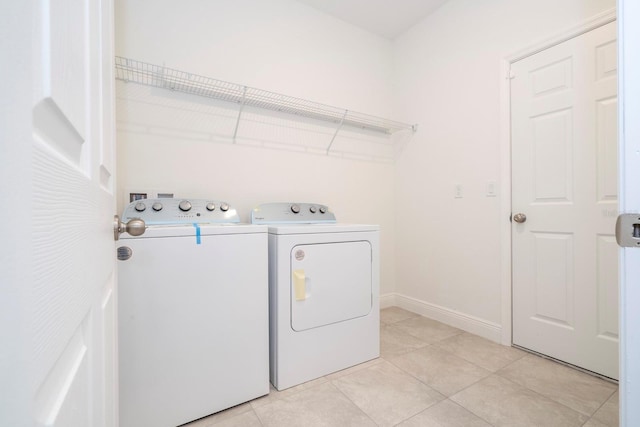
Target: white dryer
{"points": [[324, 281], [193, 312]]}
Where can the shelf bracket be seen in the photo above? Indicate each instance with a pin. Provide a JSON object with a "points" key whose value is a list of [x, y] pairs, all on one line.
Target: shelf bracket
{"points": [[163, 78], [244, 98], [337, 130]]}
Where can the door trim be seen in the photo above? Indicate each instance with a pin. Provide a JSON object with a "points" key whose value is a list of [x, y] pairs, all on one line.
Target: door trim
{"points": [[629, 130], [596, 21]]}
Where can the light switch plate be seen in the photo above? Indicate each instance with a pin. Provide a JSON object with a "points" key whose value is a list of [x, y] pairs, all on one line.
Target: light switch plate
{"points": [[492, 188], [457, 192]]}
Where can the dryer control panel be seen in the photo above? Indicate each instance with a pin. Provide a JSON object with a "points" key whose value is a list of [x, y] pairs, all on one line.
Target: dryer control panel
{"points": [[292, 213], [181, 211]]}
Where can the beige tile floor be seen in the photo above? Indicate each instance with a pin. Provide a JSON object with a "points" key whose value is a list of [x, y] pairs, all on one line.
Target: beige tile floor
{"points": [[431, 374]]}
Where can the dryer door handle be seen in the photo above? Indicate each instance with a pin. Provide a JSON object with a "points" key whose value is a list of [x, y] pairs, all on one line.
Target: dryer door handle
{"points": [[299, 285]]}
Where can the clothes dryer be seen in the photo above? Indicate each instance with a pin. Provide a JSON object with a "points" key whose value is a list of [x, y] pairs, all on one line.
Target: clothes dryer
{"points": [[324, 280], [193, 312]]}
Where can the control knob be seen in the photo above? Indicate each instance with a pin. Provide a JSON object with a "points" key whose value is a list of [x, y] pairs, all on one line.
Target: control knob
{"points": [[313, 209], [295, 209], [211, 206], [140, 207], [323, 209], [157, 206], [224, 207], [185, 206]]}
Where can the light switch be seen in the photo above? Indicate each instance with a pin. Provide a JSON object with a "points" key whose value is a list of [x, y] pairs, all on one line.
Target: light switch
{"points": [[491, 188], [458, 191]]}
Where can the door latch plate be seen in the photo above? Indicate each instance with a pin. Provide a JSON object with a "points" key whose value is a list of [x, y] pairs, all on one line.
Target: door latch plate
{"points": [[628, 230]]}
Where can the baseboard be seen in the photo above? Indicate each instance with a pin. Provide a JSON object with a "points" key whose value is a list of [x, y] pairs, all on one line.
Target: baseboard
{"points": [[489, 330], [388, 300]]}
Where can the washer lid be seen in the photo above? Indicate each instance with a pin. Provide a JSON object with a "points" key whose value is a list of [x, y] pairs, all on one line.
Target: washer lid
{"points": [[196, 230]]}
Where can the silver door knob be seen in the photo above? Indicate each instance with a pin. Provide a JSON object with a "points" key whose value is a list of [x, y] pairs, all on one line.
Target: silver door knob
{"points": [[135, 227], [520, 218]]}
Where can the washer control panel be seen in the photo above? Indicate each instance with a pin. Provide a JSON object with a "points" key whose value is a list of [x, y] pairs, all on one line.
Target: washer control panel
{"points": [[291, 213], [181, 211]]}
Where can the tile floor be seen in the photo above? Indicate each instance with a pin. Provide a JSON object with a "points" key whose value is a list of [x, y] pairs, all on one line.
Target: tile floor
{"points": [[431, 374]]}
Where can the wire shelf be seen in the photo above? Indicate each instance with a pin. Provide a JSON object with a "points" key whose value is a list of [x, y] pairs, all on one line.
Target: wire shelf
{"points": [[130, 70]]}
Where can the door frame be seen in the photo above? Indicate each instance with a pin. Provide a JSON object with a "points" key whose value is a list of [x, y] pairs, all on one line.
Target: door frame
{"points": [[629, 130], [596, 21]]}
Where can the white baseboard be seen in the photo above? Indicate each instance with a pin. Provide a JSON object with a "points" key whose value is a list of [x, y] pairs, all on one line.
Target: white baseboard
{"points": [[388, 300], [489, 330]]}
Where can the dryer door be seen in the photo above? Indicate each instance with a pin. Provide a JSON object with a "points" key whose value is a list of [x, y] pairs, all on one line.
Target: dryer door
{"points": [[329, 283]]}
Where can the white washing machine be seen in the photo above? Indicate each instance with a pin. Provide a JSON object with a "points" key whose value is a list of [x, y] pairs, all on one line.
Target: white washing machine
{"points": [[324, 281], [193, 312]]}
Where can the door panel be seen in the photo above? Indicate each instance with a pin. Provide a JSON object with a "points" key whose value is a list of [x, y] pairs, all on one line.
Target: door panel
{"points": [[108, 344], [330, 282], [607, 154], [552, 148], [552, 78], [60, 110], [564, 150], [606, 60], [607, 266], [63, 398], [553, 281]]}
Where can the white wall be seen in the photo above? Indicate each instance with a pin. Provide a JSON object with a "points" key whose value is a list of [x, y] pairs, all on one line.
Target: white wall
{"points": [[164, 139], [443, 74], [447, 78]]}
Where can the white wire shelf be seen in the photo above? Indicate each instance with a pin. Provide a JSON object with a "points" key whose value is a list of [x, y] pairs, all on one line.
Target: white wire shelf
{"points": [[130, 70]]}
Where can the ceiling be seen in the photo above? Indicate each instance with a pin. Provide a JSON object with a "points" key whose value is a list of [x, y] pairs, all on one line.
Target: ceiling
{"points": [[386, 18]]}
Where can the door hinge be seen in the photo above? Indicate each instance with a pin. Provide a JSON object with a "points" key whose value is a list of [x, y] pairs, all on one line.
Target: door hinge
{"points": [[628, 230], [512, 74]]}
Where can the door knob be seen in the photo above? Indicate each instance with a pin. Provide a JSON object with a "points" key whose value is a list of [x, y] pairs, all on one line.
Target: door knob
{"points": [[134, 226], [520, 218]]}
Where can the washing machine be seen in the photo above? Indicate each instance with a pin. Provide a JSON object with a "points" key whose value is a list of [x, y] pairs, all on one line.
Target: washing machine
{"points": [[324, 280], [192, 312]]}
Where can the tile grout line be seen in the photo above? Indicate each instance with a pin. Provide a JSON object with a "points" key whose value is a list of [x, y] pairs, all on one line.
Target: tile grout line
{"points": [[600, 407], [470, 411], [257, 416], [349, 399], [519, 385], [449, 397], [460, 357], [452, 354], [548, 397]]}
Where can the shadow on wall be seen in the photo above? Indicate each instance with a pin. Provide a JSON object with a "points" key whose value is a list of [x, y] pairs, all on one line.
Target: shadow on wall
{"points": [[155, 111]]}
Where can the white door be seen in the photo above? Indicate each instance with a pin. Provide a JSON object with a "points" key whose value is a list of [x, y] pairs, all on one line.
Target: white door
{"points": [[629, 16], [564, 163], [62, 158]]}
